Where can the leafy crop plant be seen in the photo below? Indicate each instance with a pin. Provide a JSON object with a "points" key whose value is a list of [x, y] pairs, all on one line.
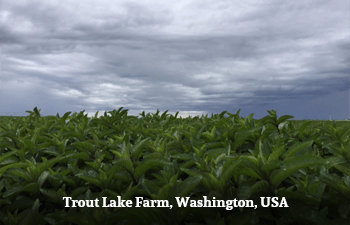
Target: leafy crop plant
{"points": [[121, 169]]}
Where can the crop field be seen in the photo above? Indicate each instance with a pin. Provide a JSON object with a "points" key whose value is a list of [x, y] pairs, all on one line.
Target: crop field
{"points": [[161, 169]]}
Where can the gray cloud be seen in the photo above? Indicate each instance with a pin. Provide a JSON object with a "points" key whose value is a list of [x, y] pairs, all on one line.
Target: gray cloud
{"points": [[193, 57]]}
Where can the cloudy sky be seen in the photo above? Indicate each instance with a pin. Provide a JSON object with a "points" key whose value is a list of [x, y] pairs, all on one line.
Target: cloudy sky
{"points": [[193, 56]]}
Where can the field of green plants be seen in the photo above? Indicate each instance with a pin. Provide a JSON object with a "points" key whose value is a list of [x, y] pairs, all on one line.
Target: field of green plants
{"points": [[156, 157]]}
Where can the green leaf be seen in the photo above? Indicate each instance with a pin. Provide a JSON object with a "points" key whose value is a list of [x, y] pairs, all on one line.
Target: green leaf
{"points": [[78, 191], [129, 193], [250, 167], [242, 136], [268, 168], [302, 128], [150, 164], [113, 194], [284, 118], [76, 155], [64, 117], [344, 168], [14, 165], [126, 163], [335, 182], [183, 156], [13, 190], [261, 185], [31, 188], [92, 180], [84, 146], [164, 192], [244, 190], [297, 147], [42, 178], [37, 112], [137, 148], [110, 174], [19, 173], [210, 181], [52, 194], [150, 186], [186, 186], [32, 215], [228, 172], [276, 153], [190, 172], [5, 156], [294, 164]]}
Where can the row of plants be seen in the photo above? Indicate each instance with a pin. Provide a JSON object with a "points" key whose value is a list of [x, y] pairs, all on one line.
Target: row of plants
{"points": [[160, 157]]}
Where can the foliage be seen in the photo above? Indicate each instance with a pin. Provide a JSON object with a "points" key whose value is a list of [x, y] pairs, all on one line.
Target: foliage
{"points": [[160, 157]]}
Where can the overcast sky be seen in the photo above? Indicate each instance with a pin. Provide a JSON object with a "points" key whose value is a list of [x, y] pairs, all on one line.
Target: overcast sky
{"points": [[196, 57]]}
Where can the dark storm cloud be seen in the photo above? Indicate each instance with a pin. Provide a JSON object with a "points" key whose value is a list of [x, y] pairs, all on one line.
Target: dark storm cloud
{"points": [[193, 57]]}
